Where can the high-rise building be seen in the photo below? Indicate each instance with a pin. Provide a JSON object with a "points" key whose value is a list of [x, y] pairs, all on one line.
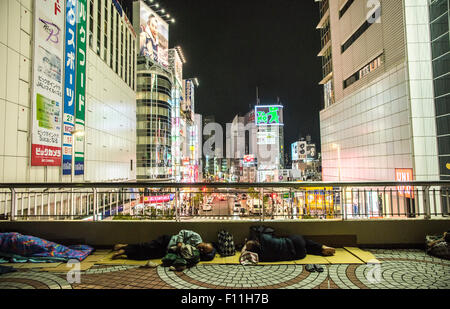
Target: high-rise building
{"points": [[386, 86], [157, 95], [264, 141], [189, 141], [235, 138], [439, 17], [382, 114], [208, 152], [67, 98], [154, 121]]}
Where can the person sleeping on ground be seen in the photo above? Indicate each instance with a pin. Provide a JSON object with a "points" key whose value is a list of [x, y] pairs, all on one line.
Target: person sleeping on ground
{"points": [[180, 251], [294, 247]]}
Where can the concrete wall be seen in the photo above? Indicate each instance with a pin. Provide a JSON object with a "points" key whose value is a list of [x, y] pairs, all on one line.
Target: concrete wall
{"points": [[385, 233]]}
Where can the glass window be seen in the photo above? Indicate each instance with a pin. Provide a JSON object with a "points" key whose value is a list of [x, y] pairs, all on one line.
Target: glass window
{"points": [[91, 23], [440, 46], [437, 8], [99, 22], [441, 65], [442, 85], [443, 105], [105, 33], [111, 41], [443, 125]]}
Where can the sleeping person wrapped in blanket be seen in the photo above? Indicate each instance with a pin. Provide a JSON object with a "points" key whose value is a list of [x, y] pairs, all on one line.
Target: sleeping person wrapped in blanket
{"points": [[18, 248]]}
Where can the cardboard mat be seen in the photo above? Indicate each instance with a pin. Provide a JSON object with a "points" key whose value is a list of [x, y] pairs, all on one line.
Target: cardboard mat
{"points": [[346, 255], [342, 256], [32, 265], [65, 267], [364, 256], [107, 260]]}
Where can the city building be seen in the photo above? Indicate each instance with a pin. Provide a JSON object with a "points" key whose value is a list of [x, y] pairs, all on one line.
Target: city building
{"points": [[209, 149], [189, 132], [154, 121], [385, 114], [158, 96], [306, 163], [269, 142], [67, 99]]}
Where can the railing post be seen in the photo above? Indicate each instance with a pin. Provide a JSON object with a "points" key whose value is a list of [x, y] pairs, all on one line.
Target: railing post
{"points": [[13, 204], [291, 203], [177, 200], [95, 210], [426, 202], [262, 203], [342, 203]]}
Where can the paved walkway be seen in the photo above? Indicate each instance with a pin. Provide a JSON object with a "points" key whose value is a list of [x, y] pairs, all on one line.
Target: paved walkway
{"points": [[400, 269]]}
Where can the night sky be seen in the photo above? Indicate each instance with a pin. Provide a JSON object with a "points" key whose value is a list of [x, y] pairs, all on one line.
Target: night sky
{"points": [[233, 46]]}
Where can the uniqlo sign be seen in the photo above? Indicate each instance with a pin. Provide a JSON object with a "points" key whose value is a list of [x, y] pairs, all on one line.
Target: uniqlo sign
{"points": [[404, 175]]}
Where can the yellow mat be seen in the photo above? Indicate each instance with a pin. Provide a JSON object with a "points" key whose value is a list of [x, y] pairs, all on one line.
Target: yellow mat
{"points": [[223, 260], [342, 256], [312, 259], [32, 265], [64, 267], [347, 255], [107, 260], [364, 256]]}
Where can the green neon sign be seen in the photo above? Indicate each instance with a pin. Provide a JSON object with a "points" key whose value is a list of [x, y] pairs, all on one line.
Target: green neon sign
{"points": [[268, 115]]}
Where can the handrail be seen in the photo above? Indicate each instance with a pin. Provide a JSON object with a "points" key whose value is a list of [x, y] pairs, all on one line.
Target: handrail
{"points": [[220, 184]]}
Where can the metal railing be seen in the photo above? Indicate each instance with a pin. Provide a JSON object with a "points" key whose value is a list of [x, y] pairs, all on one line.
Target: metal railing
{"points": [[224, 201]]}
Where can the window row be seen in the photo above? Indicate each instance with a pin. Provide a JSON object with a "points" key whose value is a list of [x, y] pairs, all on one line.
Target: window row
{"points": [[368, 68], [363, 28], [109, 34], [153, 96], [161, 111]]}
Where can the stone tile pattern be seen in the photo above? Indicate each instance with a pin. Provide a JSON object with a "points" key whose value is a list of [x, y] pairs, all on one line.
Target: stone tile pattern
{"points": [[400, 269]]}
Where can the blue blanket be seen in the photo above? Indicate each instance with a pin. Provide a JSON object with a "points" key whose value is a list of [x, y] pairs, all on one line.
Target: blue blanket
{"points": [[18, 248]]}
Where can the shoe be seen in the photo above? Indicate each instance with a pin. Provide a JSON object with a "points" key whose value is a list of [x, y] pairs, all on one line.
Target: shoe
{"points": [[318, 268], [310, 268], [172, 268]]}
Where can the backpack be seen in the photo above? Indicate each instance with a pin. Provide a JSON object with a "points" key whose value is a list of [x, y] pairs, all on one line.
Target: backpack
{"points": [[226, 243], [440, 249], [258, 230]]}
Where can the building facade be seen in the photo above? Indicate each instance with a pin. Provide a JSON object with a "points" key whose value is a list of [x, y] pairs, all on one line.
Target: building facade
{"points": [[108, 144], [440, 54], [385, 115], [154, 121], [382, 115]]}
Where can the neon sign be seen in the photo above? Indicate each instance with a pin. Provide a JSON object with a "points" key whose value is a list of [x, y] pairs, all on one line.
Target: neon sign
{"points": [[269, 115]]}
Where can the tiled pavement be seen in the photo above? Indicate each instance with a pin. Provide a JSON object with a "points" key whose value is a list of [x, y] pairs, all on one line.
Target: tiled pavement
{"points": [[400, 269]]}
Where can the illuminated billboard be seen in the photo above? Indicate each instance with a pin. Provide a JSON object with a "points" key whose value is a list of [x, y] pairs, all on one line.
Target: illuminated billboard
{"points": [[153, 36], [269, 115]]}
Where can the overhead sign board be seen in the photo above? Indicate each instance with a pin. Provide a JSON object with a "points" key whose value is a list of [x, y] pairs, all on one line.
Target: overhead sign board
{"points": [[47, 83], [268, 115]]}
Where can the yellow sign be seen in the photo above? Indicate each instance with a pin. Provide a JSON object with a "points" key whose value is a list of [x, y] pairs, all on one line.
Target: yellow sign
{"points": [[448, 166], [318, 198]]}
